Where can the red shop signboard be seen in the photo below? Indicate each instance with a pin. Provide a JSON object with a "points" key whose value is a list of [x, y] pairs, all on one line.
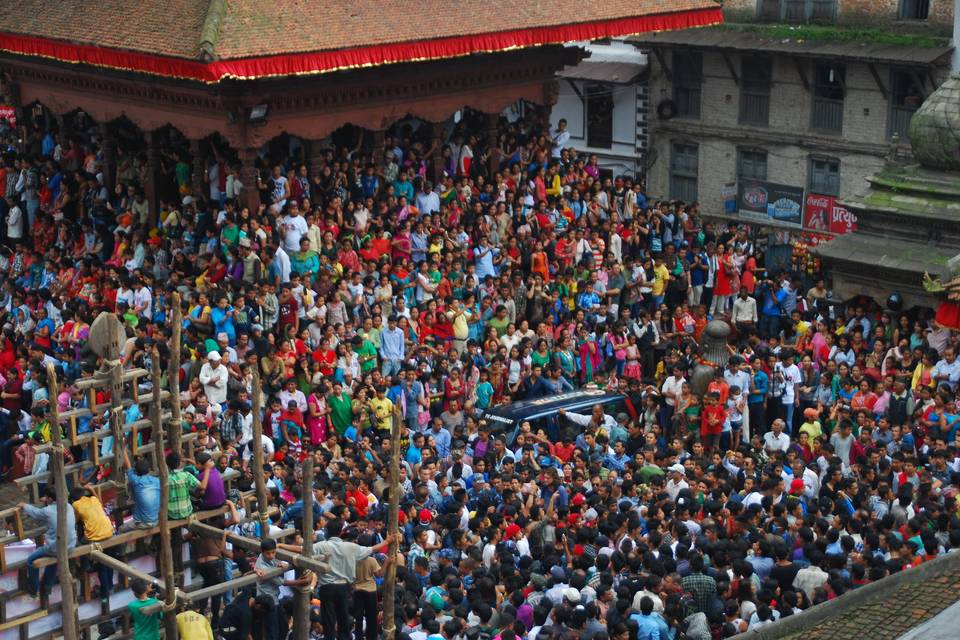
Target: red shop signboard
{"points": [[822, 214]]}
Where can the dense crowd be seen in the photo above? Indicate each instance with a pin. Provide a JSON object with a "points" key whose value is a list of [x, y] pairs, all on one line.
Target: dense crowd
{"points": [[821, 456]]}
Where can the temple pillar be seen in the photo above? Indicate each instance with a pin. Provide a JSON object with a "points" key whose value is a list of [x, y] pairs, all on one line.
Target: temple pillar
{"points": [[377, 137], [151, 188], [492, 129], [551, 93], [250, 194], [109, 143], [199, 175], [315, 157]]}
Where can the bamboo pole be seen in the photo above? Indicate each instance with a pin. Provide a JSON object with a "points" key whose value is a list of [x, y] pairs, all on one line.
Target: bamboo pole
{"points": [[173, 373], [317, 565], [393, 515], [71, 624], [166, 549], [301, 618], [257, 445]]}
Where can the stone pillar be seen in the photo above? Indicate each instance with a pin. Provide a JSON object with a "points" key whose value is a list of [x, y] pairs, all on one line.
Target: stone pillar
{"points": [[109, 144], [250, 195], [492, 129], [198, 178], [152, 186]]}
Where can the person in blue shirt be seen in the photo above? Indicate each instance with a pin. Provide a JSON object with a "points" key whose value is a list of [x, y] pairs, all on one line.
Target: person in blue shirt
{"points": [[651, 625], [618, 459], [772, 298], [757, 398], [145, 490], [414, 450]]}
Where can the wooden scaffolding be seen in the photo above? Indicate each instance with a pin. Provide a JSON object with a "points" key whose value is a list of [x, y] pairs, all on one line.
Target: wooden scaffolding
{"points": [[72, 609]]}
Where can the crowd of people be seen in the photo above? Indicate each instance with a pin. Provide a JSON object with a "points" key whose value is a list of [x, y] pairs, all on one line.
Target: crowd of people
{"points": [[822, 456]]}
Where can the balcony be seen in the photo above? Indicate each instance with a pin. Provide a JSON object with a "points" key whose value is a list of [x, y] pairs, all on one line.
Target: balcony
{"points": [[827, 115]]}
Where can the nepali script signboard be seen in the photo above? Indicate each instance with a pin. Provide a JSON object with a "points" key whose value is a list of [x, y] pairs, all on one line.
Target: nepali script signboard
{"points": [[822, 214], [770, 203]]}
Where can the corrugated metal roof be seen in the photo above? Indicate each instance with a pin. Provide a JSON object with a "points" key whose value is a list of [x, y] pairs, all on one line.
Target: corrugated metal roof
{"points": [[598, 71], [731, 39]]}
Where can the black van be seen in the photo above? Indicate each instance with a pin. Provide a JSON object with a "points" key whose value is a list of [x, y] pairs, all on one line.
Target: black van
{"points": [[542, 412]]}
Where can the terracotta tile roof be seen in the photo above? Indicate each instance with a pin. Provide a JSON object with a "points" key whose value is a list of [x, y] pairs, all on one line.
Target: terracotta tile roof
{"points": [[163, 27], [255, 28], [209, 40]]}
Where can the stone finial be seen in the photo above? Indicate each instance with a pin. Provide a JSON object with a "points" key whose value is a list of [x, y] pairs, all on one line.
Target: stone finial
{"points": [[935, 128]]}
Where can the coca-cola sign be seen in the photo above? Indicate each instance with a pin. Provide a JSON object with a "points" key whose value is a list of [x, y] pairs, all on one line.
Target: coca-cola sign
{"points": [[823, 214]]}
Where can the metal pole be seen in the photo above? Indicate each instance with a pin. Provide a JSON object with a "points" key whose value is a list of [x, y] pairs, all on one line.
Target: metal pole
{"points": [[173, 373], [257, 445], [390, 580], [166, 549], [70, 623], [301, 618]]}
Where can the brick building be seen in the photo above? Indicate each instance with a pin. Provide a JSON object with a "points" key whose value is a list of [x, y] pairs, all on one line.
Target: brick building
{"points": [[803, 94]]}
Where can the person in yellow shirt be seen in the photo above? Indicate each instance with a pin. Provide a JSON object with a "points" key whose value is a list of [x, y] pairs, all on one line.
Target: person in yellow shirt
{"points": [[660, 278], [382, 410], [459, 316], [192, 625], [96, 528]]}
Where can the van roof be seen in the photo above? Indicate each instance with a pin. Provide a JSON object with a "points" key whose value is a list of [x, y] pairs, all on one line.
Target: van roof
{"points": [[525, 409]]}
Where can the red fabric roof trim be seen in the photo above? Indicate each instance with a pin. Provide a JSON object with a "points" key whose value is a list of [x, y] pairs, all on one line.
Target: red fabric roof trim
{"points": [[327, 61]]}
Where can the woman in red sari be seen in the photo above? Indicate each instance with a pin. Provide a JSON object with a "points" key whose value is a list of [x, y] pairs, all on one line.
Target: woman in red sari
{"points": [[326, 356], [728, 281]]}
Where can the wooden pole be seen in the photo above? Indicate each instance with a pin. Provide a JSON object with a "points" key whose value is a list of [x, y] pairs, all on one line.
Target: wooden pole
{"points": [[301, 617], [116, 410], [71, 624], [393, 515], [166, 548], [257, 445], [173, 373]]}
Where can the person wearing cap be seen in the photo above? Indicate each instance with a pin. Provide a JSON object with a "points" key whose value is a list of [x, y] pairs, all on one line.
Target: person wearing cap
{"points": [[677, 481], [213, 376], [559, 585]]}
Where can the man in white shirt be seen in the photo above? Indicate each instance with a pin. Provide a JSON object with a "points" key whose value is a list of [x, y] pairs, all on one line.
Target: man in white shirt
{"points": [[671, 389], [294, 228], [560, 138], [213, 377], [775, 439], [791, 378], [744, 311], [677, 481], [947, 370]]}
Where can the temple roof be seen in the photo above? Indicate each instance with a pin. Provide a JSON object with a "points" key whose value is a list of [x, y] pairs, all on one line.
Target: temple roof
{"points": [[211, 40]]}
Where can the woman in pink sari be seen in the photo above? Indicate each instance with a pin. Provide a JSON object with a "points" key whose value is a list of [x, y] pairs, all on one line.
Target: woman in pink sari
{"points": [[317, 411]]}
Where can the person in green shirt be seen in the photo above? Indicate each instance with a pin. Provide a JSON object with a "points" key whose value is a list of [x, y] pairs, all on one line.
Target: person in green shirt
{"points": [[306, 261], [500, 320], [341, 409], [366, 354], [182, 484], [145, 626]]}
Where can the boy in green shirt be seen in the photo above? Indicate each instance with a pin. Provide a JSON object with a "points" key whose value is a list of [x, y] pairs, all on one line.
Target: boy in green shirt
{"points": [[145, 626]]}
